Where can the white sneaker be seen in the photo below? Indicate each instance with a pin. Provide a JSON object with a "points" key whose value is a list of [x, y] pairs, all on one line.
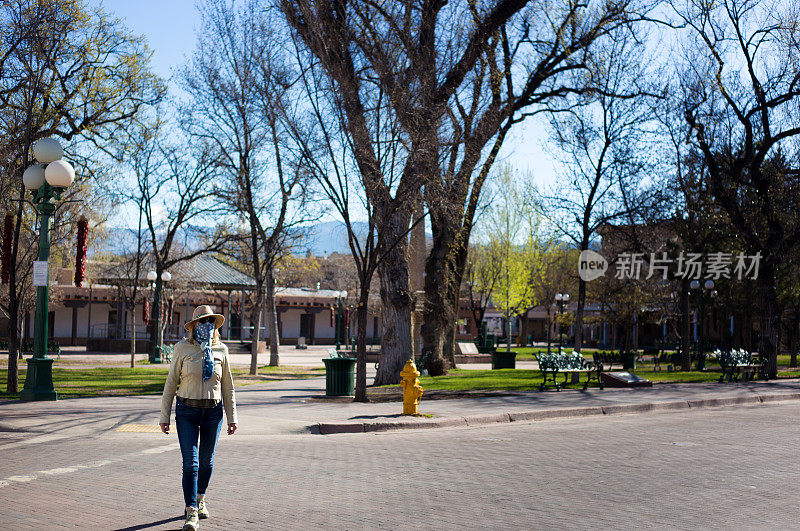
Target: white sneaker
{"points": [[202, 509], [192, 522]]}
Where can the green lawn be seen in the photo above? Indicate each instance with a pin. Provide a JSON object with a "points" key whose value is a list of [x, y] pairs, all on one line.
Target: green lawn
{"points": [[526, 354], [124, 381]]}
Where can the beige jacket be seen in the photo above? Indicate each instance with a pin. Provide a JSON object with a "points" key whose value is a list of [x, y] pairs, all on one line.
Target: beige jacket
{"points": [[187, 368]]}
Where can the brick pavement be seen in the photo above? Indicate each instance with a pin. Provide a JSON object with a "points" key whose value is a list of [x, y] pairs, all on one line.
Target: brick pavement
{"points": [[292, 406], [716, 468]]}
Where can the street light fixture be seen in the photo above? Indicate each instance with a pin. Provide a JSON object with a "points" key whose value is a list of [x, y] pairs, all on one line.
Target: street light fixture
{"points": [[561, 299], [46, 180], [157, 338]]}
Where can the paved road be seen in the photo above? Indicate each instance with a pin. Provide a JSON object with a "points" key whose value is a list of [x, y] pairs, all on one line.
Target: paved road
{"points": [[714, 468]]}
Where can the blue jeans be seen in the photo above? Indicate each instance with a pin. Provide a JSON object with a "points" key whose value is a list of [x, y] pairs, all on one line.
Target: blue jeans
{"points": [[198, 462]]}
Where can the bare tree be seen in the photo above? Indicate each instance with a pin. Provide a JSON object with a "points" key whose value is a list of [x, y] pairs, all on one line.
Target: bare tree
{"points": [[603, 142], [175, 191], [237, 82], [451, 72], [127, 273], [327, 154]]}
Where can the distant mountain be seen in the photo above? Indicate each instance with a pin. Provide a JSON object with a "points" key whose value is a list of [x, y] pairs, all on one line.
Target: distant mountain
{"points": [[321, 239], [329, 237]]}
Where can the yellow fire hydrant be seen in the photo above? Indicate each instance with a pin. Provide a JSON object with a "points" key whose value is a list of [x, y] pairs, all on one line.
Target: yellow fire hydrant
{"points": [[412, 390]]}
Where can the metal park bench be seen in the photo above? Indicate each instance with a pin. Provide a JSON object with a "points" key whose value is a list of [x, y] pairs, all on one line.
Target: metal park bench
{"points": [[735, 363], [666, 358], [603, 358], [568, 364]]}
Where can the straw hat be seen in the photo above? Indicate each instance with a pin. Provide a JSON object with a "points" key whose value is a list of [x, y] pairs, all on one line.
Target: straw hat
{"points": [[204, 311]]}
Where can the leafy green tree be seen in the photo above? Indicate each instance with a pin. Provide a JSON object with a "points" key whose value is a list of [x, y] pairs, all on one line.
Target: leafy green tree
{"points": [[516, 246], [66, 70]]}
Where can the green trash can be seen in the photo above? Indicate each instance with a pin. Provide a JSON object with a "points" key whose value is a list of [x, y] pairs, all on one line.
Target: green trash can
{"points": [[629, 361], [339, 376], [504, 360]]}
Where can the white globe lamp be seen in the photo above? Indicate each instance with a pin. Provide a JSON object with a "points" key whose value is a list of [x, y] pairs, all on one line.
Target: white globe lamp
{"points": [[33, 178], [166, 276], [46, 150], [59, 174], [152, 276]]}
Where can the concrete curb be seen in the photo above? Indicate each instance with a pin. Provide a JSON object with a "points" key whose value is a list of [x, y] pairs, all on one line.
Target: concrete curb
{"points": [[412, 423]]}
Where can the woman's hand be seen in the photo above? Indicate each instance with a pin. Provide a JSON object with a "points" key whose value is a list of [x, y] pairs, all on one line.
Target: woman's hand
{"points": [[164, 428], [231, 428]]}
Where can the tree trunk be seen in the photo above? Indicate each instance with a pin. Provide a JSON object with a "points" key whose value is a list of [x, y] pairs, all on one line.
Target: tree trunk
{"points": [[397, 302], [793, 332], [508, 330], [549, 329], [768, 309], [133, 335], [579, 310], [439, 311], [155, 316], [14, 301], [449, 347], [12, 379], [686, 354], [361, 347], [272, 318], [628, 336], [255, 320]]}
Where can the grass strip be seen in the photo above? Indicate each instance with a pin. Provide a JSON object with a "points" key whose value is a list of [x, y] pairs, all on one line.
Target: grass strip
{"points": [[124, 381]]}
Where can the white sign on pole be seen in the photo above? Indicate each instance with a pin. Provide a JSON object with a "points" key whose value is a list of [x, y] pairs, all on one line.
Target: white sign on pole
{"points": [[40, 269]]}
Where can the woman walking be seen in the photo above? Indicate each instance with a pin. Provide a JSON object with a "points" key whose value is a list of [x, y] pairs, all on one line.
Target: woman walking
{"points": [[200, 365]]}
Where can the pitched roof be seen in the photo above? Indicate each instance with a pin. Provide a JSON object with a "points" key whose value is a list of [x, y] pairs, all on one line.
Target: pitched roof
{"points": [[200, 271], [205, 270]]}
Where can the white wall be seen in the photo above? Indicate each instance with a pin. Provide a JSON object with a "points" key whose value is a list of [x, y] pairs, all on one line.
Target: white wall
{"points": [[290, 320], [323, 328]]}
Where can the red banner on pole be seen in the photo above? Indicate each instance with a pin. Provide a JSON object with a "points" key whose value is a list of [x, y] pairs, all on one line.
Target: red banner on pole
{"points": [[80, 256], [8, 229]]}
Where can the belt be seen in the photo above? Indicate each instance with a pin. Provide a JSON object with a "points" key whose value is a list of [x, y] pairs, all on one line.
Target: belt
{"points": [[205, 403]]}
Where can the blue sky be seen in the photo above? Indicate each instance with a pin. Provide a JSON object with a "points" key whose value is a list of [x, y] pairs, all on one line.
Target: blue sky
{"points": [[169, 26]]}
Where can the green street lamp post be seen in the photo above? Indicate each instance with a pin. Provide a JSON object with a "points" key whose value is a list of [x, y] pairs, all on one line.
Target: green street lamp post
{"points": [[46, 185], [339, 318], [561, 299], [157, 338]]}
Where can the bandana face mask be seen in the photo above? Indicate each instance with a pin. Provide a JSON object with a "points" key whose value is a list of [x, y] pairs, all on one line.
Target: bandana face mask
{"points": [[202, 334]]}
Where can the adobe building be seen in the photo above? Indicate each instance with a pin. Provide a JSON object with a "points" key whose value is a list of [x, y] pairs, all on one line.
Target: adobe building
{"points": [[97, 315]]}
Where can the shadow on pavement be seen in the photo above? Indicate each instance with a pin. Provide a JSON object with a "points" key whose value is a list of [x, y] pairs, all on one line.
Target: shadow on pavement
{"points": [[153, 524]]}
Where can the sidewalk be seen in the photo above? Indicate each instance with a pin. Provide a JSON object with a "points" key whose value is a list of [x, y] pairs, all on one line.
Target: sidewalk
{"points": [[299, 407]]}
